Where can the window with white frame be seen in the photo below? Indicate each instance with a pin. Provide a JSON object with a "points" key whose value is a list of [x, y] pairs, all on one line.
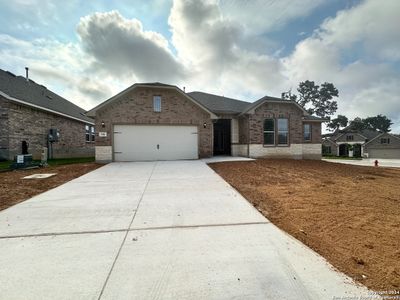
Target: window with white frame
{"points": [[89, 133], [385, 140], [283, 131], [307, 132], [157, 103], [269, 132]]}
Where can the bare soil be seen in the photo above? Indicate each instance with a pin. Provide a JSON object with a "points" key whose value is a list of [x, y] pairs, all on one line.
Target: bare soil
{"points": [[14, 189], [348, 214]]}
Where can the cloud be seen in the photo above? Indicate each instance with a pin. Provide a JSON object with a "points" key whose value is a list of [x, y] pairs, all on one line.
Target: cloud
{"points": [[210, 46], [65, 73], [372, 25], [260, 16], [223, 47], [368, 84], [122, 47]]}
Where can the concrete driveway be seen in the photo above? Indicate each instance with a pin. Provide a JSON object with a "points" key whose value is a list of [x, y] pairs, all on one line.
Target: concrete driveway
{"points": [[155, 230], [382, 162]]}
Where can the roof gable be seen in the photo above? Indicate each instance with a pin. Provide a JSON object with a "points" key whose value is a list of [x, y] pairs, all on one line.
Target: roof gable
{"points": [[27, 92], [92, 112]]}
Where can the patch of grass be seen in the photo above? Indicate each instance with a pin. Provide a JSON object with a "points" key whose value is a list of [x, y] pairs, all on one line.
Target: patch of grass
{"points": [[5, 164], [342, 157], [68, 161]]}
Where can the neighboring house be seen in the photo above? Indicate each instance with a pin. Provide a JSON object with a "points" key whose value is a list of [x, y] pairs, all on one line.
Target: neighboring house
{"points": [[155, 121], [27, 113], [361, 143]]}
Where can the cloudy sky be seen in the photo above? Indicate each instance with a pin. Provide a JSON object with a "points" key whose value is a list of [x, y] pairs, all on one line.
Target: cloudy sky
{"points": [[88, 51]]}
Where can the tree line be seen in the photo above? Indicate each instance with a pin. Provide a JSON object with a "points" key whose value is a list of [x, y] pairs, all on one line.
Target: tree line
{"points": [[320, 101]]}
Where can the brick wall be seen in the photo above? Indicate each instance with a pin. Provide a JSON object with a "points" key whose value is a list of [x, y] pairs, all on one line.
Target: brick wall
{"points": [[282, 110], [4, 129], [32, 125], [136, 107]]}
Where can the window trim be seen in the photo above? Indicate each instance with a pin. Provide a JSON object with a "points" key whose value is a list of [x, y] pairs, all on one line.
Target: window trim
{"points": [[349, 137], [269, 131], [304, 132], [387, 141], [90, 133], [286, 131], [157, 108]]}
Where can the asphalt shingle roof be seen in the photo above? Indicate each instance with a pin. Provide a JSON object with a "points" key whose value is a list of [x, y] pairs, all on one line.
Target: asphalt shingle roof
{"points": [[220, 104], [29, 91]]}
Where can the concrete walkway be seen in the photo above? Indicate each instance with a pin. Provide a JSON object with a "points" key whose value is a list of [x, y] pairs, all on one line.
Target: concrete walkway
{"points": [[382, 162], [155, 230]]}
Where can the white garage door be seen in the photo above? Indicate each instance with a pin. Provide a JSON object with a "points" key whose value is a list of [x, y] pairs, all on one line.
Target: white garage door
{"points": [[384, 153], [155, 142]]}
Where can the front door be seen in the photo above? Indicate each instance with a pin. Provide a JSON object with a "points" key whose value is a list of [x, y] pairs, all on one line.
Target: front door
{"points": [[222, 137]]}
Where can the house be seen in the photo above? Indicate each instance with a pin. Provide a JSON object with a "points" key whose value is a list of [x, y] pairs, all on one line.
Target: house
{"points": [[33, 117], [155, 121], [361, 143]]}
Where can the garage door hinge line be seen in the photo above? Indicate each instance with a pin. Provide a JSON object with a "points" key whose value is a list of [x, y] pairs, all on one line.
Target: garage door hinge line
{"points": [[127, 232]]}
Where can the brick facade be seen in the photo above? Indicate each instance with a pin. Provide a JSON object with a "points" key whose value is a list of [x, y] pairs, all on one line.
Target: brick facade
{"points": [[251, 131], [282, 110], [136, 107], [32, 125]]}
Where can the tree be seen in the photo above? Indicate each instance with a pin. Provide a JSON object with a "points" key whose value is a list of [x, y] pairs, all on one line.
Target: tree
{"points": [[337, 123], [380, 122], [357, 124], [317, 100]]}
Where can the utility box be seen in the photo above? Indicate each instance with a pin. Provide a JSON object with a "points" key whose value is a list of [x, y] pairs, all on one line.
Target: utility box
{"points": [[54, 135], [43, 156], [22, 161]]}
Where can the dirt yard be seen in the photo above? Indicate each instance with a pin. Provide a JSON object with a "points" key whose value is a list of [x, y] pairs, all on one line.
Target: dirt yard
{"points": [[348, 214], [14, 189]]}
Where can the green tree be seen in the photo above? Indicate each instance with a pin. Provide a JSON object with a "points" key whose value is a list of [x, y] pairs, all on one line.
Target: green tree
{"points": [[357, 124], [380, 122], [317, 100], [337, 123]]}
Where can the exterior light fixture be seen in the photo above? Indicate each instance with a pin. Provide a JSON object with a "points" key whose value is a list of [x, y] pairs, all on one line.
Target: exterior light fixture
{"points": [[103, 124], [205, 125]]}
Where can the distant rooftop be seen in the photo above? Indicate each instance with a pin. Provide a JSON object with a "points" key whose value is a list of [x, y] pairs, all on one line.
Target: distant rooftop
{"points": [[32, 93]]}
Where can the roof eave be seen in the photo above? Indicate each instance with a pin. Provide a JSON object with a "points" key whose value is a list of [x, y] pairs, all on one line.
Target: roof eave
{"points": [[8, 97]]}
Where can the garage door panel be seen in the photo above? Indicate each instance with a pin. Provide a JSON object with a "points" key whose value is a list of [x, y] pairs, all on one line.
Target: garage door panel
{"points": [[155, 142], [384, 153]]}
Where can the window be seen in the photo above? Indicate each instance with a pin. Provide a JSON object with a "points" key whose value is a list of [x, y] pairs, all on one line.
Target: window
{"points": [[92, 133], [89, 133], [157, 103], [307, 132], [269, 132], [349, 137], [283, 131], [385, 141]]}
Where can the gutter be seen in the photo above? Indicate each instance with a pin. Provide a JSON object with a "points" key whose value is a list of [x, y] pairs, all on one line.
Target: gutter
{"points": [[8, 97]]}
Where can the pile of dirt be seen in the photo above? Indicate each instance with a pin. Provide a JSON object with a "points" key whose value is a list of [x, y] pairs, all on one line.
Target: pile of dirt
{"points": [[348, 214], [14, 189]]}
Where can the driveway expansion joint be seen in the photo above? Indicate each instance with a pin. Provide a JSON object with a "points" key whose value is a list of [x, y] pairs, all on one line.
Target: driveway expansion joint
{"points": [[127, 232]]}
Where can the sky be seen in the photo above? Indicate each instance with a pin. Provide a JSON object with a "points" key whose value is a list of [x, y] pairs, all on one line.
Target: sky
{"points": [[87, 51]]}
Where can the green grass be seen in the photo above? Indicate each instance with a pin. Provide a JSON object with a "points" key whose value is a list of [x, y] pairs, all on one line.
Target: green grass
{"points": [[5, 164], [68, 161], [342, 157], [52, 162]]}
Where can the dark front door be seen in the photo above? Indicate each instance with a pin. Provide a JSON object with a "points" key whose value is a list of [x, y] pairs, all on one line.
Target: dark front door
{"points": [[222, 137]]}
